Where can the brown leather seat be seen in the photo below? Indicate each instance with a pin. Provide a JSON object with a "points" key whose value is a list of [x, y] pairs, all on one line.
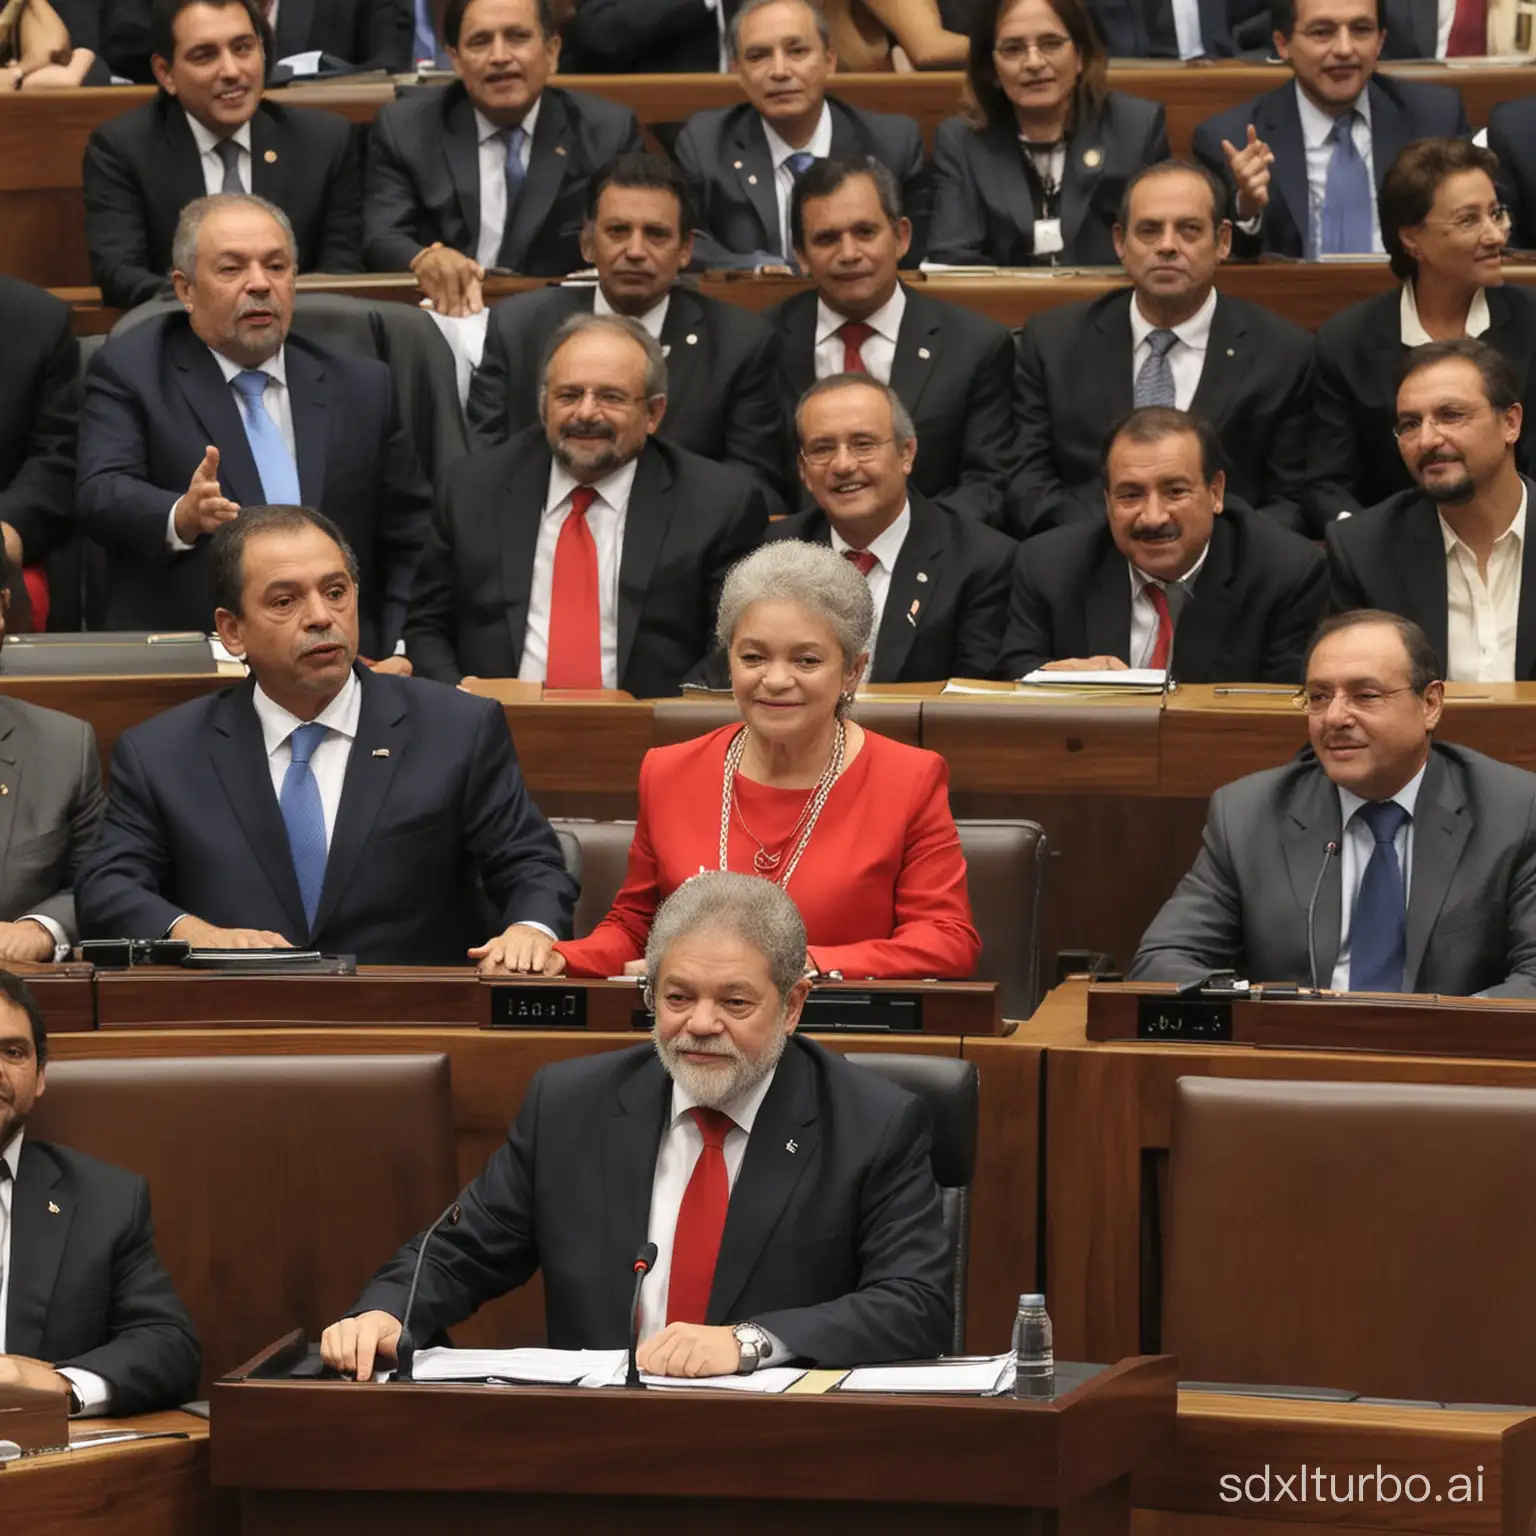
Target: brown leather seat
{"points": [[1372, 1237], [279, 1183]]}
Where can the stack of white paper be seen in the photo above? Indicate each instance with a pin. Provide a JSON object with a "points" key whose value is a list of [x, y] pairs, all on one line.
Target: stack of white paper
{"points": [[978, 1377], [1131, 677], [773, 1378], [546, 1367]]}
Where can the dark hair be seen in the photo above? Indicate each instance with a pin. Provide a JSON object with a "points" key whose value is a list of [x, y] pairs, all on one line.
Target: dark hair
{"points": [[226, 550], [824, 177], [653, 172], [1213, 184], [453, 20], [1151, 424], [1408, 189], [733, 31], [1282, 16], [162, 27], [1423, 664], [1501, 383], [992, 102], [15, 991]]}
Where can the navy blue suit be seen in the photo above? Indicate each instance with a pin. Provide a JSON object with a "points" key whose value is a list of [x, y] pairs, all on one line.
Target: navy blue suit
{"points": [[432, 798], [1512, 137], [154, 399]]}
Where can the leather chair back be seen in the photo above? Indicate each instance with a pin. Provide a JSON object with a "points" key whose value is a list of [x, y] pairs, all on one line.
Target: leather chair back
{"points": [[601, 860], [279, 1184], [1363, 1236]]}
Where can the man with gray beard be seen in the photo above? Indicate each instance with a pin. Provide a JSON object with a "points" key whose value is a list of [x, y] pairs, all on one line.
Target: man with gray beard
{"points": [[789, 1194]]}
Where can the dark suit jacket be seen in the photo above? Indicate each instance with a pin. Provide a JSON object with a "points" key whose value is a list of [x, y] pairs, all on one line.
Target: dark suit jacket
{"points": [[724, 154], [142, 169], [1123, 26], [432, 797], [1254, 390], [954, 373], [423, 181], [368, 34], [1512, 137], [1254, 604], [956, 573], [689, 522], [723, 397], [1412, 28], [39, 416], [1393, 557], [837, 1249], [1401, 111], [641, 37], [1471, 902], [86, 1287], [154, 398], [1353, 461], [984, 212]]}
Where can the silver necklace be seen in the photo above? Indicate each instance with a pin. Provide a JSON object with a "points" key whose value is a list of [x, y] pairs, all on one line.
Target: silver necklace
{"points": [[812, 814]]}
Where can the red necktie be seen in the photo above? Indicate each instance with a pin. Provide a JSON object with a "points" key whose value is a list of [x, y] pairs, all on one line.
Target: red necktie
{"points": [[1469, 30], [1159, 601], [575, 657], [700, 1221], [862, 558], [855, 333]]}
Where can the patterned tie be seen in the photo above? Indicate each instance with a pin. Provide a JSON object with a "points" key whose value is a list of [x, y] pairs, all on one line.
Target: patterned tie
{"points": [[1154, 384], [1347, 225], [861, 558], [517, 174], [279, 474], [1378, 934], [854, 333], [304, 816], [1159, 600], [700, 1222], [575, 658], [1469, 30], [229, 152]]}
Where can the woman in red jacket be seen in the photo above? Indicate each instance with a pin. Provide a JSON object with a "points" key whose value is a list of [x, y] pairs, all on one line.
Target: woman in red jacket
{"points": [[854, 826]]}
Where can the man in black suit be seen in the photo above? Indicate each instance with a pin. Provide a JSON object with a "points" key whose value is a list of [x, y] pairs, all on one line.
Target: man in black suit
{"points": [[826, 1246], [1302, 188], [1179, 577], [492, 171], [722, 369], [940, 583], [1512, 137], [89, 1310], [208, 130], [647, 37], [189, 417], [1169, 340], [321, 804], [349, 34], [584, 553], [745, 161], [1210, 29], [1454, 554], [952, 369]]}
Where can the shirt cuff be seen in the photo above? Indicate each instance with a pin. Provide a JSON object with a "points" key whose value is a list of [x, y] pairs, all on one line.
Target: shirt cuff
{"points": [[94, 1392], [1251, 226], [528, 922], [780, 1354], [173, 540], [54, 931]]}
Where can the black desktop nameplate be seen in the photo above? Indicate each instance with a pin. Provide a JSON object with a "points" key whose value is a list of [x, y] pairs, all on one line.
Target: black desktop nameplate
{"points": [[841, 1010], [1183, 1018], [863, 1013], [538, 1007]]}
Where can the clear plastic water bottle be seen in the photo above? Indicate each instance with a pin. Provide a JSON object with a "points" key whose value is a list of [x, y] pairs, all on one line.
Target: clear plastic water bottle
{"points": [[1034, 1352]]}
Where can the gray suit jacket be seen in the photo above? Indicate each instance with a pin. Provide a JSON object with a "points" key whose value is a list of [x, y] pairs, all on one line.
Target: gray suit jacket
{"points": [[1471, 895], [50, 802]]}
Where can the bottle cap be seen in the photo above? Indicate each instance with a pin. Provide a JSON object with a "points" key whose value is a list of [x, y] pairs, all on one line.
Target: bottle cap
{"points": [[1032, 1299]]}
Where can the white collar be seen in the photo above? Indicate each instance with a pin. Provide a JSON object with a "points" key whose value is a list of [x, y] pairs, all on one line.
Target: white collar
{"points": [[340, 715], [489, 130], [12, 1156], [819, 143], [208, 141], [743, 1110], [885, 322], [1407, 797], [1316, 124], [887, 547], [652, 320], [275, 366], [1194, 332], [1187, 580], [1516, 529], [613, 489], [1412, 328]]}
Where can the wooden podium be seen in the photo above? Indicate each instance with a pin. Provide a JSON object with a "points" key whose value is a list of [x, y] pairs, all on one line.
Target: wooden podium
{"points": [[312, 1457]]}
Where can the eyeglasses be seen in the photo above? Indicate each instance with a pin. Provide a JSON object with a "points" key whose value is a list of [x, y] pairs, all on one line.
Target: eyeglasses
{"points": [[863, 450], [1446, 418], [1470, 220], [568, 397], [1359, 701], [1016, 49]]}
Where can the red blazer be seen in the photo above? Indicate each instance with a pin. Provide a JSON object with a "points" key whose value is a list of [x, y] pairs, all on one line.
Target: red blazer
{"points": [[881, 885]]}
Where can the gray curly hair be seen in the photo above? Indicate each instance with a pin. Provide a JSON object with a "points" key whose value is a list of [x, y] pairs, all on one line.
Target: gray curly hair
{"points": [[812, 575]]}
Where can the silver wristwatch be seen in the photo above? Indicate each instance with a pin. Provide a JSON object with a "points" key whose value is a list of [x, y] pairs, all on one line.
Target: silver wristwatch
{"points": [[755, 1346]]}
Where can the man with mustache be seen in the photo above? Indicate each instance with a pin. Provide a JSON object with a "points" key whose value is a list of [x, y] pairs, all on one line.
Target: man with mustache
{"points": [[1453, 554], [788, 1191], [586, 552], [1181, 576], [188, 417], [1378, 861]]}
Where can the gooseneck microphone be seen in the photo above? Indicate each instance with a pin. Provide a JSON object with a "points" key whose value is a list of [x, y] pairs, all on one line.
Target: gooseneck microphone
{"points": [[405, 1346], [643, 1262], [1317, 886]]}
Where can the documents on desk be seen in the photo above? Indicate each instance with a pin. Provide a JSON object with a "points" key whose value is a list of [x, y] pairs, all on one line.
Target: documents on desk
{"points": [[576, 1368], [983, 1376], [1136, 681]]}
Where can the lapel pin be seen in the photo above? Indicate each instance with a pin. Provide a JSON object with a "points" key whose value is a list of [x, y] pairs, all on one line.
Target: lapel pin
{"points": [[924, 353], [5, 789], [691, 339], [751, 181], [791, 1146], [736, 165], [922, 575], [53, 1209], [1092, 158], [1231, 353], [666, 350], [560, 149], [912, 613], [270, 157], [381, 751]]}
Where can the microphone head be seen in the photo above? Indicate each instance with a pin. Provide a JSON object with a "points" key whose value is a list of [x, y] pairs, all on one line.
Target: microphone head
{"points": [[453, 1215], [646, 1257]]}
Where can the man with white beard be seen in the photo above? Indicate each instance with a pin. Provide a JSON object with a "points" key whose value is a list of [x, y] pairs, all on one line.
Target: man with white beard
{"points": [[789, 1194]]}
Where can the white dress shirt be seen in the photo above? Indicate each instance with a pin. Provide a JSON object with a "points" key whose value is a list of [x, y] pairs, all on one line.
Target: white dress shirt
{"points": [[1355, 849], [1186, 28], [819, 144], [725, 42], [1186, 357], [879, 352], [493, 180], [1316, 128], [208, 155], [651, 321], [1483, 617], [606, 518], [93, 1391], [1412, 328], [1445, 18], [886, 549], [1144, 619]]}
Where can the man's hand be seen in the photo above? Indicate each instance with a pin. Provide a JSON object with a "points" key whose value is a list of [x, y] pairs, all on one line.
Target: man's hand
{"points": [[205, 506], [25, 940], [1086, 664], [21, 1371], [14, 553], [690, 1349], [355, 1343], [452, 281], [1250, 170], [520, 951], [395, 666], [201, 935]]}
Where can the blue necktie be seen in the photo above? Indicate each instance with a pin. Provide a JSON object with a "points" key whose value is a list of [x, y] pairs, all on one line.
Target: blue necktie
{"points": [[1347, 219], [517, 174], [1154, 384], [279, 474], [799, 163], [1378, 936], [304, 816]]}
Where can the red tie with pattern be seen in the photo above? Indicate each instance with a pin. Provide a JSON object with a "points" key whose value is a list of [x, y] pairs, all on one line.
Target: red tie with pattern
{"points": [[700, 1221], [575, 657], [1469, 30], [854, 333], [1159, 601], [862, 558]]}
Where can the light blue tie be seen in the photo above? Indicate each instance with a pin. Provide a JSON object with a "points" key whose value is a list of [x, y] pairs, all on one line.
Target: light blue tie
{"points": [[279, 474], [1378, 932], [517, 172], [1154, 384], [304, 816], [1347, 221]]}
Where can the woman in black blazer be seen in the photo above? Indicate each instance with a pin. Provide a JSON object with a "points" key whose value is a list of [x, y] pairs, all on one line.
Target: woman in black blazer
{"points": [[1038, 180], [1445, 231]]}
